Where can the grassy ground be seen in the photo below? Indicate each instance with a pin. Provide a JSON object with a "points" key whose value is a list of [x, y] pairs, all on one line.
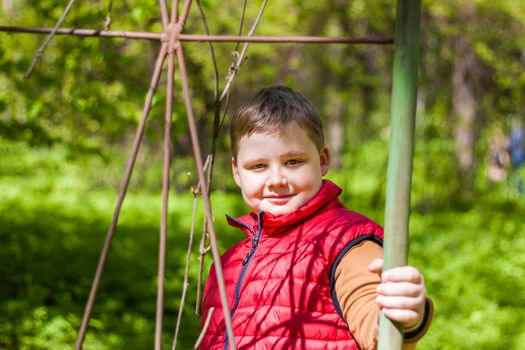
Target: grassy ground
{"points": [[53, 227], [50, 244]]}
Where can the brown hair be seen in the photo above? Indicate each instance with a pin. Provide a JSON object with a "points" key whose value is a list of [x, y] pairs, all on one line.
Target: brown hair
{"points": [[270, 110]]}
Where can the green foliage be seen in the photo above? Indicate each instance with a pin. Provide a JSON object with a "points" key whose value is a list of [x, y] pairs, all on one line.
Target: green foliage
{"points": [[473, 266], [51, 238]]}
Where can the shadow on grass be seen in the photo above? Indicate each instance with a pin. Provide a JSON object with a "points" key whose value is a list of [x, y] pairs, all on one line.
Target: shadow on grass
{"points": [[49, 254]]}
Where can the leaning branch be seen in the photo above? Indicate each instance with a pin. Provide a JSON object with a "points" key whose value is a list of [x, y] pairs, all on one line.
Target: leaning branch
{"points": [[48, 39], [122, 194], [238, 58]]}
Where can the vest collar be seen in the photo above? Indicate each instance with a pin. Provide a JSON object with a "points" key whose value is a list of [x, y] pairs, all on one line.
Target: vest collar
{"points": [[274, 224]]}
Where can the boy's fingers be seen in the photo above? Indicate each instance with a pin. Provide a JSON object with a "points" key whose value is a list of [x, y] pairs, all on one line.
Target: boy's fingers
{"points": [[401, 289], [402, 274], [401, 303], [407, 317], [376, 265]]}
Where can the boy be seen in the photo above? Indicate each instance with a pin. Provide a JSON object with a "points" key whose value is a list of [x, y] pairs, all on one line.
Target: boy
{"points": [[307, 276]]}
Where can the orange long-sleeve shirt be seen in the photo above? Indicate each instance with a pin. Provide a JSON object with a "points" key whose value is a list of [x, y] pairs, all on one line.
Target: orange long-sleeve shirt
{"points": [[356, 292]]}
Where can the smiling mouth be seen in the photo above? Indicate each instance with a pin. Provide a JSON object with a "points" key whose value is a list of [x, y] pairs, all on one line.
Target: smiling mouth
{"points": [[279, 199]]}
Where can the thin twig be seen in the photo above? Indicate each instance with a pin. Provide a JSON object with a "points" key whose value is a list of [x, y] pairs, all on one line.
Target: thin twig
{"points": [[216, 129], [234, 67], [202, 250], [217, 103], [243, 13], [42, 47], [107, 22], [202, 253], [186, 271], [205, 194], [236, 63], [204, 328], [207, 167], [226, 105], [122, 194], [212, 50], [217, 125], [238, 60]]}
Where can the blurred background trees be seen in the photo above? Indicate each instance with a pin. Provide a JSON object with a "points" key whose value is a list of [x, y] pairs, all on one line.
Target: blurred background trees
{"points": [[66, 132]]}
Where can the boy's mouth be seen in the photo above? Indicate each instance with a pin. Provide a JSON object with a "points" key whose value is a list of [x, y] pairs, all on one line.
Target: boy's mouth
{"points": [[279, 199]]}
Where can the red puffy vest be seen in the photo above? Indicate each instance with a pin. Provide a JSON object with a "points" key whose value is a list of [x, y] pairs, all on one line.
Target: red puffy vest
{"points": [[280, 281]]}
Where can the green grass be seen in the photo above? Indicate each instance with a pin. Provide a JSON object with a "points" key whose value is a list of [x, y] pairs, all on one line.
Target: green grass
{"points": [[51, 240], [53, 225]]}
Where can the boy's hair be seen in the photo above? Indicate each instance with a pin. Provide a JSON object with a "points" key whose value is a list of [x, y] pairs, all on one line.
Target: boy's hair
{"points": [[270, 110]]}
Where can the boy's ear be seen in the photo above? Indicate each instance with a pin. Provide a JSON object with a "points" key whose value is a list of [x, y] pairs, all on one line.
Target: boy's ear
{"points": [[324, 156], [235, 172]]}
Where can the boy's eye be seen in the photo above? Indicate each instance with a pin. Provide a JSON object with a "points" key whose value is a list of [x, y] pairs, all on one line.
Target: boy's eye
{"points": [[257, 166], [294, 161]]}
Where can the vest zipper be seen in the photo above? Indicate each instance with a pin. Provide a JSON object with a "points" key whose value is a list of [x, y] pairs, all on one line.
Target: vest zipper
{"points": [[256, 238]]}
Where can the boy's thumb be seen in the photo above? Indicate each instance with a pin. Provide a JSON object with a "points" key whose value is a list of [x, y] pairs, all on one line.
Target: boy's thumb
{"points": [[376, 265]]}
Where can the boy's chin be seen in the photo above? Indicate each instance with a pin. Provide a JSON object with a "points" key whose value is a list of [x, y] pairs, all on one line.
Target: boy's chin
{"points": [[280, 210]]}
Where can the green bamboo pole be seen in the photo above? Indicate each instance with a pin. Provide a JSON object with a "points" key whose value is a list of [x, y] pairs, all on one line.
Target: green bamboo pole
{"points": [[399, 176]]}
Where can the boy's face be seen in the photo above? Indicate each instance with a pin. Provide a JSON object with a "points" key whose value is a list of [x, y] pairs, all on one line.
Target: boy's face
{"points": [[279, 173]]}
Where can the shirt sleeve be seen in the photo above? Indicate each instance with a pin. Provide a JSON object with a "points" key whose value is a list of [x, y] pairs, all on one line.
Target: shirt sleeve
{"points": [[355, 288]]}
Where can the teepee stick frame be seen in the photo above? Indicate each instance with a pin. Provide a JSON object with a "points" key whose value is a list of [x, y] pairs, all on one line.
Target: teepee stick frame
{"points": [[403, 113]]}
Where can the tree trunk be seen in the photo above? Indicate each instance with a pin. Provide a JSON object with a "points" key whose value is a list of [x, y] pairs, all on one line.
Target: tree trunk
{"points": [[8, 7], [464, 109], [336, 133]]}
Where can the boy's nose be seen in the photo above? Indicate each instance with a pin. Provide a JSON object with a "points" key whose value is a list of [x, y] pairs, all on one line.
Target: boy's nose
{"points": [[276, 178]]}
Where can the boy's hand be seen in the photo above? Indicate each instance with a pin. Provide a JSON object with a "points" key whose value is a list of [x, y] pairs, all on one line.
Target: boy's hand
{"points": [[401, 293]]}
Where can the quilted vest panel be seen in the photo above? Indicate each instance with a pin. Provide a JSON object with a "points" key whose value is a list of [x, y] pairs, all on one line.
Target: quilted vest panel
{"points": [[283, 300]]}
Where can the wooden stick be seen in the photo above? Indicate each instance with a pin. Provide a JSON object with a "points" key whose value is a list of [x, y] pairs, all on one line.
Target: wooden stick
{"points": [[184, 14], [205, 195], [201, 37], [122, 194], [186, 271], [204, 328], [165, 199], [164, 13], [237, 61], [48, 39]]}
